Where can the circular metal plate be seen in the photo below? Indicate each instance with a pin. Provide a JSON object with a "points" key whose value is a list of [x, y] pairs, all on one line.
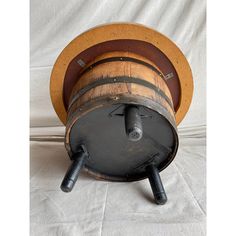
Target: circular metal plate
{"points": [[112, 155], [64, 72]]}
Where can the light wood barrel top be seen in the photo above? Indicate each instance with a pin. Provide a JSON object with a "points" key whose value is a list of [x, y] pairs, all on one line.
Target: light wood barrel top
{"points": [[122, 31]]}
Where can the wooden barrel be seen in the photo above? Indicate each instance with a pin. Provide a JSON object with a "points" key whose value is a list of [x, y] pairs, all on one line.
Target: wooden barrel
{"points": [[121, 89], [106, 87]]}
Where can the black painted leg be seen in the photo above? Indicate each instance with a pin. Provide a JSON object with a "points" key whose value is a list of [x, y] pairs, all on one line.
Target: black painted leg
{"points": [[156, 185], [78, 160], [133, 123]]}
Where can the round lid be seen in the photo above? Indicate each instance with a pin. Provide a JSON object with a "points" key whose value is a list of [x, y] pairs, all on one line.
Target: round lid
{"points": [[113, 155], [131, 37]]}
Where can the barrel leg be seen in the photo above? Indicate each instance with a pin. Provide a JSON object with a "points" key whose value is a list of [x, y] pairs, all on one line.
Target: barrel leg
{"points": [[71, 176], [133, 123], [156, 185]]}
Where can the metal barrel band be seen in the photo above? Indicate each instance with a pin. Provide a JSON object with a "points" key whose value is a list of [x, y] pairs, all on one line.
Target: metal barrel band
{"points": [[124, 59], [120, 79]]}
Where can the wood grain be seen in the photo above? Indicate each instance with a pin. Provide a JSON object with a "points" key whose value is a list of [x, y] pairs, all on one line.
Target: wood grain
{"points": [[121, 68]]}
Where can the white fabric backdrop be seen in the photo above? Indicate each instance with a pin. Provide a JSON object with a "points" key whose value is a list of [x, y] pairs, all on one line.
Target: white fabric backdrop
{"points": [[102, 208]]}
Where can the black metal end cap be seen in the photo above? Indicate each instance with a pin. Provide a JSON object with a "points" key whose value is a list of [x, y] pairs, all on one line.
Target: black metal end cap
{"points": [[67, 185], [135, 134], [160, 198]]}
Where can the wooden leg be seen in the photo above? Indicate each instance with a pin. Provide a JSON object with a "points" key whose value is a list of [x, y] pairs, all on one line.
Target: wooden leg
{"points": [[156, 185], [133, 123], [72, 174]]}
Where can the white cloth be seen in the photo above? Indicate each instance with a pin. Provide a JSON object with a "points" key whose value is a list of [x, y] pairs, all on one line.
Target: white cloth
{"points": [[107, 208], [97, 207]]}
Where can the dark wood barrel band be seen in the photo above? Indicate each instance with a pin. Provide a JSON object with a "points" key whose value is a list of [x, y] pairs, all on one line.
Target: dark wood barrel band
{"points": [[120, 79], [129, 59]]}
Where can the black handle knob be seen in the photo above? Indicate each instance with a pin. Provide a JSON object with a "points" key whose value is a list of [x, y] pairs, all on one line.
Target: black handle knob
{"points": [[71, 176], [156, 185], [133, 123]]}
